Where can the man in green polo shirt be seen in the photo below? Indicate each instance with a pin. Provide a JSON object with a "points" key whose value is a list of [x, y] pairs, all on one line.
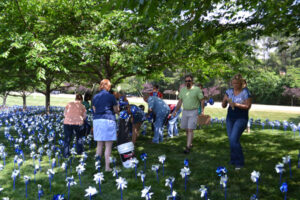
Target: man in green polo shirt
{"points": [[190, 96]]}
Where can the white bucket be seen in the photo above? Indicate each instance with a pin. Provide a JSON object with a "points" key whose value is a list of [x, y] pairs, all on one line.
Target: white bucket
{"points": [[126, 152]]}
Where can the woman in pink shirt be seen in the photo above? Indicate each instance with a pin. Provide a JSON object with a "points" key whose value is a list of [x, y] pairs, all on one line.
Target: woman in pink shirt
{"points": [[75, 114]]}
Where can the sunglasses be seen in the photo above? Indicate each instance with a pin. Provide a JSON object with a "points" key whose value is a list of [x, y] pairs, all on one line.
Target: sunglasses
{"points": [[187, 81]]}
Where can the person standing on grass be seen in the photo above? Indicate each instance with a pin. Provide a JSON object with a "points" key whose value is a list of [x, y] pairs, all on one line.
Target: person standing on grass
{"points": [[75, 115], [161, 111], [190, 96], [239, 100], [87, 125], [105, 107]]}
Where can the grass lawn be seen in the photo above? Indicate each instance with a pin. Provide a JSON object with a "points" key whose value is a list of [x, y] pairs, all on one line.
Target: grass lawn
{"points": [[263, 149]]}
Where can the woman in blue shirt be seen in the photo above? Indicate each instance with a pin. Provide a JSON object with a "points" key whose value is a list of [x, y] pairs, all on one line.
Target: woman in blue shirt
{"points": [[239, 100], [105, 107]]}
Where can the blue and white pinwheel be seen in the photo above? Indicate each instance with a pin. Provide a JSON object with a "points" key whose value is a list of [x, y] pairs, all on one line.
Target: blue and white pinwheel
{"points": [[26, 180], [279, 169], [70, 182], [284, 189], [98, 178], [155, 168], [80, 169], [287, 160], [221, 171], [116, 172], [185, 172], [203, 191], [170, 182], [91, 191], [223, 181], [134, 162], [162, 159], [172, 196], [50, 174], [143, 176], [121, 184], [40, 191], [146, 193], [14, 174], [255, 176]]}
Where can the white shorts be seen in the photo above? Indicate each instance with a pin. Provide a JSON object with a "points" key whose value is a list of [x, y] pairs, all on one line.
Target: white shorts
{"points": [[189, 119]]}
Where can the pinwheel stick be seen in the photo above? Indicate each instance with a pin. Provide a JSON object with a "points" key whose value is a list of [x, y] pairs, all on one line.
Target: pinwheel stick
{"points": [[290, 169], [79, 179], [185, 180], [121, 192], [68, 190], [280, 178], [14, 182], [26, 189], [157, 176], [99, 187], [163, 168], [257, 188]]}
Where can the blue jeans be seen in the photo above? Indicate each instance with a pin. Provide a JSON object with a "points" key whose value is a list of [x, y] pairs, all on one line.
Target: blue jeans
{"points": [[172, 125], [235, 128], [70, 130], [160, 119]]}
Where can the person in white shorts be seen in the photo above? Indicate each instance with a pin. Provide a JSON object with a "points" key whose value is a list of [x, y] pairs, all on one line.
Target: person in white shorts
{"points": [[190, 96]]}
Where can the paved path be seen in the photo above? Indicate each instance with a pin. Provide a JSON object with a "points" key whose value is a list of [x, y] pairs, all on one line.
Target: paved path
{"points": [[257, 107]]}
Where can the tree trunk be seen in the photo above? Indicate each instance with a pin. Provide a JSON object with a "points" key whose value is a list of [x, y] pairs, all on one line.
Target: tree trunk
{"points": [[24, 101], [47, 94], [4, 99]]}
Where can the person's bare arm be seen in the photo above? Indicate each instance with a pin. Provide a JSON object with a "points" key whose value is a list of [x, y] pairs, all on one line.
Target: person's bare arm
{"points": [[245, 106], [116, 109], [225, 101], [178, 106]]}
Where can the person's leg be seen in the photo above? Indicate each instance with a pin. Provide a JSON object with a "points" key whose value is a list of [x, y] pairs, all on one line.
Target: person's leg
{"points": [[79, 131], [192, 124], [158, 128], [108, 146], [68, 130], [99, 148], [170, 127], [190, 135], [229, 126], [235, 145], [135, 130]]}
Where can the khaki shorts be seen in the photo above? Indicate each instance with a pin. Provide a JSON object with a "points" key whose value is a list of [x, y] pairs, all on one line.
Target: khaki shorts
{"points": [[189, 119]]}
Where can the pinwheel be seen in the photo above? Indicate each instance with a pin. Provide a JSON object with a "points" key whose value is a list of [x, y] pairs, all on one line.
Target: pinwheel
{"points": [[146, 193], [279, 169], [98, 178], [26, 180], [36, 168], [284, 189], [33, 156], [169, 183], [172, 196], [39, 159], [57, 154], [80, 169], [223, 182], [65, 167], [116, 171], [53, 163], [142, 175], [49, 154], [15, 173], [40, 191], [15, 161], [221, 171], [3, 156], [162, 159], [253, 197], [255, 178], [121, 184], [287, 160], [155, 168], [91, 191], [134, 162], [98, 165], [113, 160], [144, 158], [70, 182], [50, 174], [203, 191], [58, 197], [19, 162], [185, 172]]}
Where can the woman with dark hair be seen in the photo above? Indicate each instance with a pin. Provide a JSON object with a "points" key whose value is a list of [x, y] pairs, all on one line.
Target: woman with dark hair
{"points": [[105, 107], [75, 114], [239, 100], [86, 103]]}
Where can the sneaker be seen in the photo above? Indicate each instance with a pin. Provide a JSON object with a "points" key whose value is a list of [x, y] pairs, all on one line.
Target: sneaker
{"points": [[187, 150]]}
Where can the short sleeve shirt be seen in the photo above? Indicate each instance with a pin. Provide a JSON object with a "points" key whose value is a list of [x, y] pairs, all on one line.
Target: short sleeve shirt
{"points": [[103, 103], [240, 98], [191, 97], [157, 105]]}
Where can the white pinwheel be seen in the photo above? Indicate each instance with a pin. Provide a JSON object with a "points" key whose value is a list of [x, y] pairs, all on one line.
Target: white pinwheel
{"points": [[50, 173], [90, 191], [185, 172], [70, 181], [142, 175], [223, 180], [162, 158], [255, 176], [170, 181], [80, 168], [121, 183], [116, 171], [173, 195], [15, 173], [146, 194], [97, 164], [64, 165], [155, 167], [203, 191], [99, 177], [286, 159], [134, 162], [26, 178], [279, 168]]}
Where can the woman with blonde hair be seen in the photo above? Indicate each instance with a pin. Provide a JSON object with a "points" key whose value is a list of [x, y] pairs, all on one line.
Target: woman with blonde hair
{"points": [[239, 100], [105, 107]]}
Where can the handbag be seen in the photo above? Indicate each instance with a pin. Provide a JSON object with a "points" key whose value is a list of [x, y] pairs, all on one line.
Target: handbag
{"points": [[203, 120]]}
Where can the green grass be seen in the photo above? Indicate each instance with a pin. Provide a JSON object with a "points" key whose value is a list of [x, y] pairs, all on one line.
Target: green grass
{"points": [[263, 149]]}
